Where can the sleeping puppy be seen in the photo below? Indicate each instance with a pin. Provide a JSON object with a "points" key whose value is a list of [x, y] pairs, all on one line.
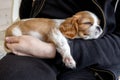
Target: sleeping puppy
{"points": [[83, 24]]}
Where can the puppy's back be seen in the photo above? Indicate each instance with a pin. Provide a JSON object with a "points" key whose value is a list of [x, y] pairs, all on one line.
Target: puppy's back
{"points": [[26, 26]]}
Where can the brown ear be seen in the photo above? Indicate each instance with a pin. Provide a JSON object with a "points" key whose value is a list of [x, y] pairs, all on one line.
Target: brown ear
{"points": [[69, 29]]}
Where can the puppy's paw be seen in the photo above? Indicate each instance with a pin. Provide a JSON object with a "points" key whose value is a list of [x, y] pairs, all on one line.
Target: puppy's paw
{"points": [[86, 37], [69, 62]]}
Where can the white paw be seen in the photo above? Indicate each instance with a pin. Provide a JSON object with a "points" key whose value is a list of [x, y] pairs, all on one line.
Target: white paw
{"points": [[86, 37], [69, 62]]}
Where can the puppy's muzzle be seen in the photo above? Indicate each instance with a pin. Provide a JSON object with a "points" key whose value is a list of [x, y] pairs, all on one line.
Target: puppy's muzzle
{"points": [[98, 28], [98, 31]]}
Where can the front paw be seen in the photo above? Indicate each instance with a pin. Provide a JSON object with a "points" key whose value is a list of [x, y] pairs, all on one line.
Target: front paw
{"points": [[69, 61]]}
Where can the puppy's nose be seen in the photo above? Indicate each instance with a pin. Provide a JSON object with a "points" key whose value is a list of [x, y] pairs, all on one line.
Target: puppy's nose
{"points": [[98, 28]]}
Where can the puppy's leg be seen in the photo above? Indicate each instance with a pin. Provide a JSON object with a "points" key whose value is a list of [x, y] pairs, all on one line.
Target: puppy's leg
{"points": [[15, 10], [62, 47]]}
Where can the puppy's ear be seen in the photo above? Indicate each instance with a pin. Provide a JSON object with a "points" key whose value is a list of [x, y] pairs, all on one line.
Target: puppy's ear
{"points": [[69, 28], [75, 21]]}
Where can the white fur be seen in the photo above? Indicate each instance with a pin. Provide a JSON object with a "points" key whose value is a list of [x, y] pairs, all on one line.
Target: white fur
{"points": [[95, 18], [36, 34], [16, 31], [58, 22]]}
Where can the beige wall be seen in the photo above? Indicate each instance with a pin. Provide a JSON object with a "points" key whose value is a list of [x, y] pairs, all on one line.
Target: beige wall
{"points": [[5, 13], [5, 20]]}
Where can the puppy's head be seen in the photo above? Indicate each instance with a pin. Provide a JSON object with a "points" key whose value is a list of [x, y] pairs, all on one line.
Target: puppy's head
{"points": [[83, 24]]}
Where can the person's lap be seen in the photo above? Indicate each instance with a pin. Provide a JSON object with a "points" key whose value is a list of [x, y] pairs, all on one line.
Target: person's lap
{"points": [[84, 74], [26, 68]]}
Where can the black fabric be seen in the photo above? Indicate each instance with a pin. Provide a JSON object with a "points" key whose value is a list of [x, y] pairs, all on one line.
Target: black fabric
{"points": [[14, 67], [118, 18], [25, 8], [61, 9], [84, 74]]}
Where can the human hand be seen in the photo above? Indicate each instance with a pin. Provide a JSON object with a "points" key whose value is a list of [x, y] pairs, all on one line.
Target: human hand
{"points": [[30, 46]]}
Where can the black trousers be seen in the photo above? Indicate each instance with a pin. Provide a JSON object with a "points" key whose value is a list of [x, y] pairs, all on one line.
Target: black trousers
{"points": [[14, 67]]}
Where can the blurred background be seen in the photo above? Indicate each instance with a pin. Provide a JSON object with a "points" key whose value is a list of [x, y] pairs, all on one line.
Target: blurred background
{"points": [[5, 13], [5, 21]]}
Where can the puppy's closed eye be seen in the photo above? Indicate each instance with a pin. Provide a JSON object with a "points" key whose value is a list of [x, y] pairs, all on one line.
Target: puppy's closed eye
{"points": [[88, 23]]}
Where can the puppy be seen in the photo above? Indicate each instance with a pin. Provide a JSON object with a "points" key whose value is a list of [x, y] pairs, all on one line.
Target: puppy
{"points": [[83, 24]]}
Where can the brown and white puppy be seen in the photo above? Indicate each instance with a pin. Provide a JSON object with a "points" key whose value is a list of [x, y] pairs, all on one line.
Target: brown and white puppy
{"points": [[83, 24]]}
